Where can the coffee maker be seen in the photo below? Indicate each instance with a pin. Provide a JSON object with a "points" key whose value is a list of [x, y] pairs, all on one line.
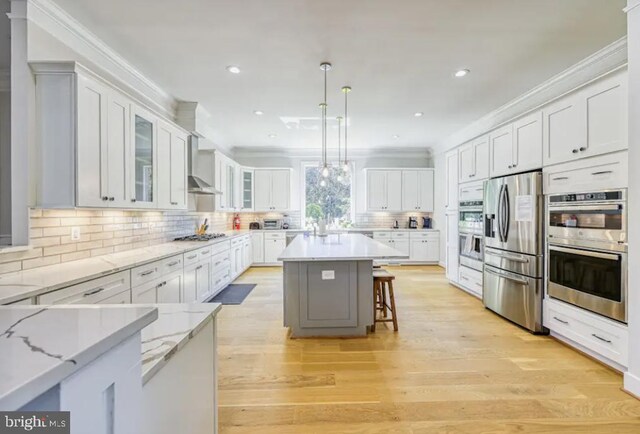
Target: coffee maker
{"points": [[413, 222]]}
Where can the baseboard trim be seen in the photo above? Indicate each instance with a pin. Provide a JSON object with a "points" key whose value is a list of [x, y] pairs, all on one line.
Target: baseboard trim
{"points": [[631, 385]]}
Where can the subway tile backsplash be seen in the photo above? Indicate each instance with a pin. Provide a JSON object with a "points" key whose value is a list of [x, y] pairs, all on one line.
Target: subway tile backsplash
{"points": [[101, 232]]}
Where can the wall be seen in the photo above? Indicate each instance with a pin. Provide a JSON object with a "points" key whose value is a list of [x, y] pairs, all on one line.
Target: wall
{"points": [[632, 377], [439, 201], [101, 232]]}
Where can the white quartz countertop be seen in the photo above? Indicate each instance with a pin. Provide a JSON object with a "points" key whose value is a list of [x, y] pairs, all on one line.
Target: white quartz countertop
{"points": [[334, 247], [176, 325], [42, 345], [29, 283]]}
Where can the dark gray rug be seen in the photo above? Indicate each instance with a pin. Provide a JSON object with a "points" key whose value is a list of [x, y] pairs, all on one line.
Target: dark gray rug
{"points": [[234, 293]]}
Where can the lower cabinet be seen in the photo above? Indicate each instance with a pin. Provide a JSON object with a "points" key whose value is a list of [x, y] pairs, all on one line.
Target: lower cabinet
{"points": [[189, 284], [471, 280], [203, 280], [452, 260], [257, 247], [146, 293], [113, 288], [420, 246], [170, 288], [274, 244]]}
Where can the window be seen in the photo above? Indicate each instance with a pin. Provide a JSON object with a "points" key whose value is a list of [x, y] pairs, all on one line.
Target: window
{"points": [[331, 201]]}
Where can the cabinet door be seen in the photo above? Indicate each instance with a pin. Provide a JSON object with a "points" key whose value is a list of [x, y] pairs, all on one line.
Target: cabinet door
{"points": [[481, 158], [247, 190], [394, 190], [171, 288], [425, 190], [189, 285], [247, 255], [606, 115], [563, 130], [257, 241], [501, 151], [118, 136], [527, 143], [376, 190], [432, 250], [146, 293], [280, 190], [203, 280], [231, 186], [402, 246], [466, 163], [164, 165], [272, 250], [410, 189], [452, 250], [143, 159], [418, 251], [451, 167], [221, 181], [92, 154], [178, 170], [262, 195]]}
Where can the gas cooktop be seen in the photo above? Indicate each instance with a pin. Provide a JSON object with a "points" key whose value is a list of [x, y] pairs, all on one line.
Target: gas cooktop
{"points": [[203, 237]]}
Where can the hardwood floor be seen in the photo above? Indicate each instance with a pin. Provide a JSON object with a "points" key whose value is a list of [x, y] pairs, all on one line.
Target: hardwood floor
{"points": [[453, 367]]}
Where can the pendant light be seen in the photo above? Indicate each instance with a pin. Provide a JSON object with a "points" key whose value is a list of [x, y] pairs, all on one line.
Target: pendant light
{"points": [[339, 119], [324, 66], [346, 90]]}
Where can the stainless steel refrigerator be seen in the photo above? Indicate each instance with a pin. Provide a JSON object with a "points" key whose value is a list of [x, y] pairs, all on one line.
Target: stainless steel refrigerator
{"points": [[514, 248]]}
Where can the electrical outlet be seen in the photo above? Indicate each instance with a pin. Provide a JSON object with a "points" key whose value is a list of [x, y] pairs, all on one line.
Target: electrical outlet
{"points": [[328, 274], [75, 233]]}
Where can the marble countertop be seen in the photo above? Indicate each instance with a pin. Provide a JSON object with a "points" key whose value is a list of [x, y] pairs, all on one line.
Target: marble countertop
{"points": [[176, 325], [42, 345], [344, 247], [29, 283], [358, 229]]}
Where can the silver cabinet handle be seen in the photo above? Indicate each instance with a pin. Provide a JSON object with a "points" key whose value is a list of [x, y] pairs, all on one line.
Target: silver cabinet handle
{"points": [[575, 151], [146, 273], [174, 203], [602, 172], [204, 253], [105, 197], [464, 278], [601, 338], [560, 178], [504, 276], [560, 320], [192, 257], [171, 264], [133, 200], [95, 291], [198, 267], [582, 149]]}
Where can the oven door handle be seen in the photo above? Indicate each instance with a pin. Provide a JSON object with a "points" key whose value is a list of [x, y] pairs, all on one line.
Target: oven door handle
{"points": [[568, 208], [505, 276], [591, 253]]}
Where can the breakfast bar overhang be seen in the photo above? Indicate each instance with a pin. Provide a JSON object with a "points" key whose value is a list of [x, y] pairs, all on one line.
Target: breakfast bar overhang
{"points": [[328, 284]]}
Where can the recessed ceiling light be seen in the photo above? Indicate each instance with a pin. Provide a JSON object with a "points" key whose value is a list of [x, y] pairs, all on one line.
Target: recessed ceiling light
{"points": [[461, 73], [233, 69], [418, 114], [395, 136], [258, 112], [273, 136]]}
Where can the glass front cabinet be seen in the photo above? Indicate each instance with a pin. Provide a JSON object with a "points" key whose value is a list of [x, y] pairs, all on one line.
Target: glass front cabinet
{"points": [[143, 156], [247, 190]]}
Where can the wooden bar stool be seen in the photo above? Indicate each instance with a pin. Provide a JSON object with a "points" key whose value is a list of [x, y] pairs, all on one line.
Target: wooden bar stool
{"points": [[383, 284]]}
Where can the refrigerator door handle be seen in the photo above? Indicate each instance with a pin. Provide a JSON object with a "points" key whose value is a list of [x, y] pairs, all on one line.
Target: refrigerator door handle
{"points": [[507, 213], [500, 212]]}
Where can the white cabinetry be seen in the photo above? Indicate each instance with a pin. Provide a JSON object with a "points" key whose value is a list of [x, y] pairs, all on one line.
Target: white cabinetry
{"points": [[272, 190], [158, 282], [424, 247], [384, 189], [517, 147], [274, 244], [451, 184], [91, 292], [603, 172], [473, 160], [257, 247], [172, 162], [247, 187], [417, 190], [588, 122], [452, 247]]}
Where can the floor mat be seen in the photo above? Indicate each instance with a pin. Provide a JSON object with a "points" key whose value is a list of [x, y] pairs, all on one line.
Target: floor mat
{"points": [[233, 294]]}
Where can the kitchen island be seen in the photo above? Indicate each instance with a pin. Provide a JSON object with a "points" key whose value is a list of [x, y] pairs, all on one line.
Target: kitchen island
{"points": [[328, 284]]}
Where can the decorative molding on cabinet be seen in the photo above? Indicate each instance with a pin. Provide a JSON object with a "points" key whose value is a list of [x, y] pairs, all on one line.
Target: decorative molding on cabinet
{"points": [[53, 19], [604, 61]]}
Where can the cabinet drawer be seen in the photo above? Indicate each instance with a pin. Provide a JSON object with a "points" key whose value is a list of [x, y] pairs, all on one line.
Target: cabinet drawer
{"points": [[220, 260], [146, 293], [236, 241], [191, 258], [90, 292], [603, 336], [435, 236], [471, 191], [221, 279], [274, 235], [381, 235], [221, 247], [146, 273], [471, 279], [597, 173], [172, 264], [399, 235]]}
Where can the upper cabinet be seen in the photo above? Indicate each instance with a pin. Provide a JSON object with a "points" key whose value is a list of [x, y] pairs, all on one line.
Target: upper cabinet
{"points": [[272, 190], [99, 148], [247, 185], [516, 147], [417, 190], [473, 160], [451, 185], [384, 190], [590, 121]]}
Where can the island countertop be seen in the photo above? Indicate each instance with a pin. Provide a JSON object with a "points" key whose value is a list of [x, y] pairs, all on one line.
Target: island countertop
{"points": [[42, 345], [342, 247]]}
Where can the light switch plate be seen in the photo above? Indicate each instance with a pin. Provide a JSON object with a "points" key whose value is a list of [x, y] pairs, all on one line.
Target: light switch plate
{"points": [[328, 274], [75, 233]]}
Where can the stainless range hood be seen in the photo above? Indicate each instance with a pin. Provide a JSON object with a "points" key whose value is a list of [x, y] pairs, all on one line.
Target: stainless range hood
{"points": [[195, 184]]}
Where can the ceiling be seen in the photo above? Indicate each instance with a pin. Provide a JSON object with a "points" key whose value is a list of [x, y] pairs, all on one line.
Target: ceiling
{"points": [[399, 57]]}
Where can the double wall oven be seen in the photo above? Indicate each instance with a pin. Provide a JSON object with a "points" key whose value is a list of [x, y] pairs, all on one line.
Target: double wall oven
{"points": [[587, 251], [470, 226]]}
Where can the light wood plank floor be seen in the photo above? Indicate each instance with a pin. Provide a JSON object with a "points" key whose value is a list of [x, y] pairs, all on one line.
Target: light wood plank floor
{"points": [[452, 368]]}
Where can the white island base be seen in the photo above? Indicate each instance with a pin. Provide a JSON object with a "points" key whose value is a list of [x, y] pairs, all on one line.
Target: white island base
{"points": [[328, 284]]}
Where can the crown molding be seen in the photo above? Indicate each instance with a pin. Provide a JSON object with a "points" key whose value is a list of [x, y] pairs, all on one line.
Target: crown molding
{"points": [[53, 19], [360, 153], [610, 58]]}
